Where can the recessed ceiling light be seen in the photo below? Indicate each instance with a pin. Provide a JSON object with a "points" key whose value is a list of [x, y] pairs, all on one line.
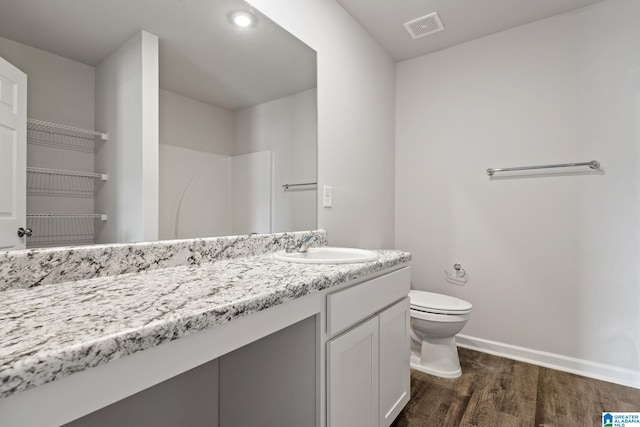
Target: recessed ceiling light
{"points": [[242, 19]]}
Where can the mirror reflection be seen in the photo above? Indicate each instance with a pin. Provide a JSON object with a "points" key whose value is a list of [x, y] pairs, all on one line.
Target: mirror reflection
{"points": [[205, 121]]}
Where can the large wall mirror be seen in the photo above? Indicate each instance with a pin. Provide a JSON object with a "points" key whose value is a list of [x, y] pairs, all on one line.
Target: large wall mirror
{"points": [[237, 129]]}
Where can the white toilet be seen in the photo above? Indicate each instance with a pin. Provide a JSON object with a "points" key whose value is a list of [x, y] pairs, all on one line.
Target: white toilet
{"points": [[435, 320]]}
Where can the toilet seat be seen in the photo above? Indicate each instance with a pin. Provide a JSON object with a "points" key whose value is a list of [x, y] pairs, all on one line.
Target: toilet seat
{"points": [[439, 317], [429, 302]]}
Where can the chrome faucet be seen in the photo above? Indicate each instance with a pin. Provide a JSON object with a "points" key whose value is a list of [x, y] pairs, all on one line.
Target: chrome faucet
{"points": [[304, 246]]}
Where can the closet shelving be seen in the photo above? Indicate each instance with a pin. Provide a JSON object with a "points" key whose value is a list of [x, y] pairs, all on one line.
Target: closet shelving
{"points": [[62, 183], [45, 171], [102, 217], [57, 229], [62, 136], [64, 130], [61, 230]]}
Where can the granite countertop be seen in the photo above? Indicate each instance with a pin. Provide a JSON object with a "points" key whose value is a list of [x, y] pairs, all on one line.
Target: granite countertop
{"points": [[48, 332]]}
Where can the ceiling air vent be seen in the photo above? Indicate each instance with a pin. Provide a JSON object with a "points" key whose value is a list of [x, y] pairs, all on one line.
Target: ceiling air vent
{"points": [[424, 25]]}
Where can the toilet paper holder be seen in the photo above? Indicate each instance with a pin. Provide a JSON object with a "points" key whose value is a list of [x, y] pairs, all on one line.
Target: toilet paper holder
{"points": [[458, 277]]}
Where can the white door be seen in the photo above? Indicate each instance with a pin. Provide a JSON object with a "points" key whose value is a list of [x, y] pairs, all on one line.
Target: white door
{"points": [[394, 361], [352, 386], [13, 155]]}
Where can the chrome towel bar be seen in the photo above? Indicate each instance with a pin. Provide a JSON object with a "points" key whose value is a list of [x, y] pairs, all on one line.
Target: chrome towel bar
{"points": [[286, 186], [593, 164]]}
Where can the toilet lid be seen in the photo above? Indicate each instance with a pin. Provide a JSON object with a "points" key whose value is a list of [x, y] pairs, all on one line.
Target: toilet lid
{"points": [[438, 303]]}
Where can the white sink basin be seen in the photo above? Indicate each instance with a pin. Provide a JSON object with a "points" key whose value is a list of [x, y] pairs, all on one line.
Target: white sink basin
{"points": [[326, 255]]}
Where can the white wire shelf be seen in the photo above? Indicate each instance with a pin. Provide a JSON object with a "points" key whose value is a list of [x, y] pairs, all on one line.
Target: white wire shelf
{"points": [[48, 127], [102, 217], [65, 230], [102, 176]]}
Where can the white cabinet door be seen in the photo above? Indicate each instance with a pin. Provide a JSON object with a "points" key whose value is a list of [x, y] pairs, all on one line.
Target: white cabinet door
{"points": [[394, 361], [13, 154], [352, 380]]}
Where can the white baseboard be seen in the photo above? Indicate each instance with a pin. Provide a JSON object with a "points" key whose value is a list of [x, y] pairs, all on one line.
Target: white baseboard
{"points": [[599, 371]]}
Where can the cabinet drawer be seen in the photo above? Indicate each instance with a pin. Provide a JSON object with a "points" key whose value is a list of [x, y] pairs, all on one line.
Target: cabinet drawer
{"points": [[348, 307]]}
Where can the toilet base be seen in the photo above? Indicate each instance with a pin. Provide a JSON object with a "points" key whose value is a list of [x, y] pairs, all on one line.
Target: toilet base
{"points": [[438, 357]]}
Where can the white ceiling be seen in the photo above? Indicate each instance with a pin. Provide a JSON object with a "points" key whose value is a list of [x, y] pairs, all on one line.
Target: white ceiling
{"points": [[202, 55], [463, 20]]}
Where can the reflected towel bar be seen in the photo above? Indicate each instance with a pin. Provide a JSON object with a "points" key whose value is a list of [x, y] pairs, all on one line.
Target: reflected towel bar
{"points": [[593, 164], [286, 186]]}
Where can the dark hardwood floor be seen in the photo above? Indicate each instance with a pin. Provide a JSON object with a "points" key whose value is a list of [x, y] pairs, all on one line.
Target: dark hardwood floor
{"points": [[494, 391]]}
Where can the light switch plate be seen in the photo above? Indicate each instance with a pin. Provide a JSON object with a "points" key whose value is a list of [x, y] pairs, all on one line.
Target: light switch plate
{"points": [[327, 197]]}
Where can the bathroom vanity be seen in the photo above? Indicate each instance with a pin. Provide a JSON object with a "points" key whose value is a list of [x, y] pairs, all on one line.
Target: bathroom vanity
{"points": [[202, 332]]}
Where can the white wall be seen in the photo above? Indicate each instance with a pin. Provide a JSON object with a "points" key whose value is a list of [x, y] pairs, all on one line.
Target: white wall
{"points": [[552, 261], [150, 135], [60, 90], [127, 108], [185, 122], [288, 128], [355, 120]]}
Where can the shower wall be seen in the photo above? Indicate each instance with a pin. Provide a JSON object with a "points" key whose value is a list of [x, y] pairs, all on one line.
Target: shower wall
{"points": [[251, 193], [207, 194], [288, 128], [552, 260], [221, 171], [195, 193], [196, 140]]}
